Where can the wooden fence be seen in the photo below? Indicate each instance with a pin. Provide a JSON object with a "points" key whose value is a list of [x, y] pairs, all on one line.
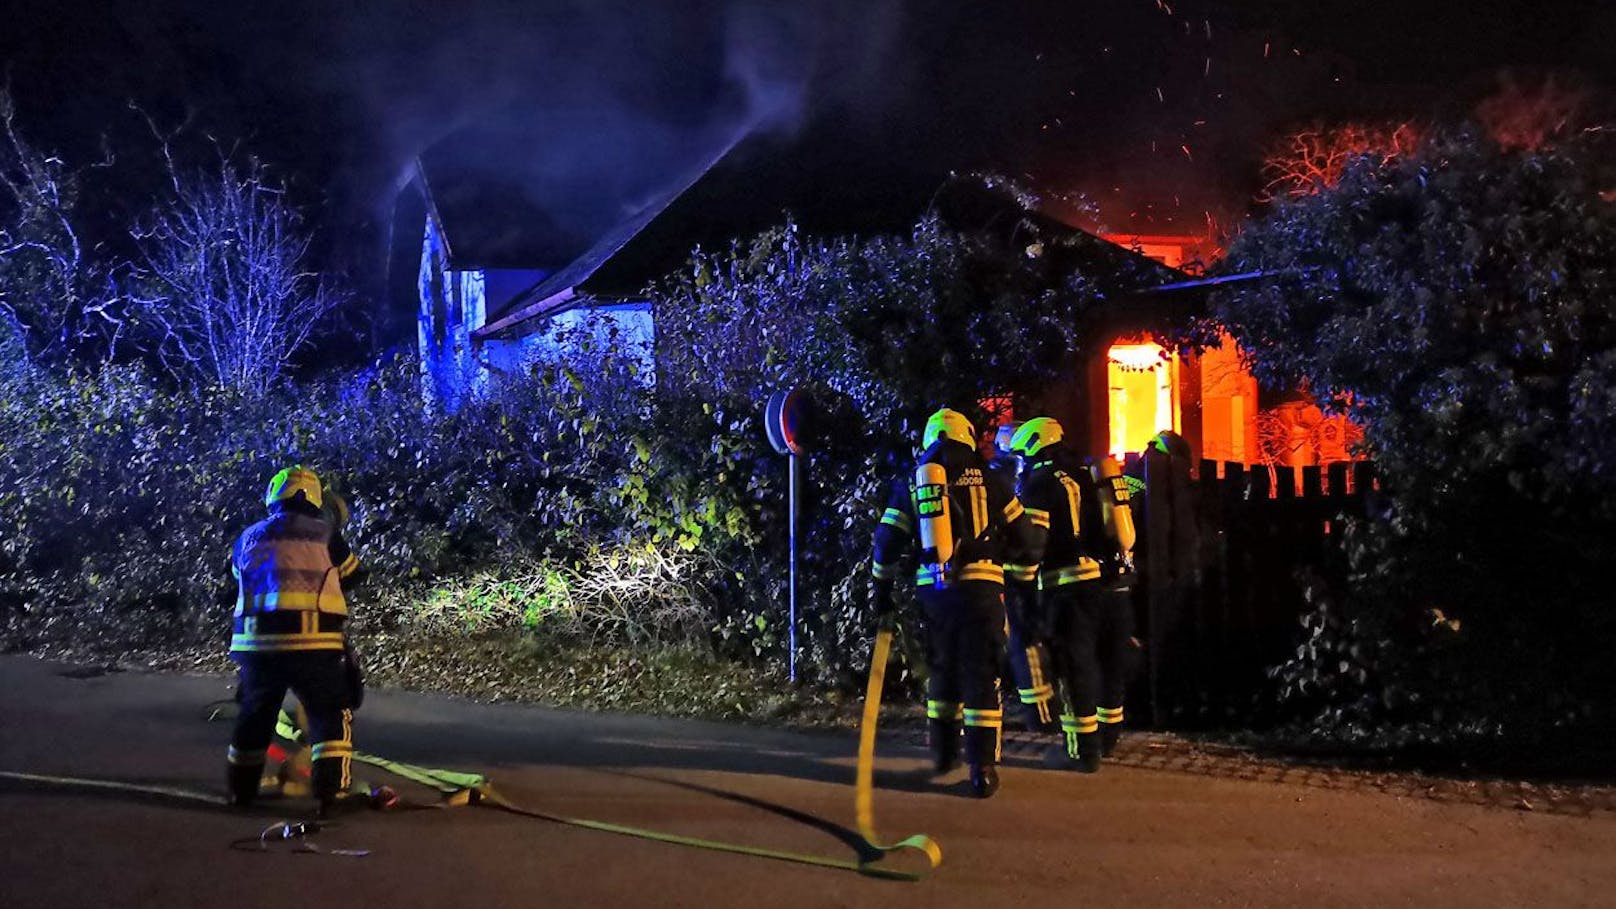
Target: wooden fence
{"points": [[1222, 552]]}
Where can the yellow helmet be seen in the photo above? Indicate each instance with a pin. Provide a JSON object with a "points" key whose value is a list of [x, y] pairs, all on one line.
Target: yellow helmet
{"points": [[948, 424], [292, 482], [1169, 443], [1035, 435]]}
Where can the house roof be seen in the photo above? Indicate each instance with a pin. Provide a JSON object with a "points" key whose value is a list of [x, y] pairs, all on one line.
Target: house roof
{"points": [[826, 185], [536, 187], [744, 190], [556, 291]]}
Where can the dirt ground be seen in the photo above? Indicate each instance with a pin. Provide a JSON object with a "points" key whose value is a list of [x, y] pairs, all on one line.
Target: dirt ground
{"points": [[1165, 825]]}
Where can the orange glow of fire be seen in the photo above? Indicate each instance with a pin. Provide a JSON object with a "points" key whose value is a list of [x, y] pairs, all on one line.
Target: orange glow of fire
{"points": [[1142, 394], [1314, 159], [1184, 251], [1529, 118]]}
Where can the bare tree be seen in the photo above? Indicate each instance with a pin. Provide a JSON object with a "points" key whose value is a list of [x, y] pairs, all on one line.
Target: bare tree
{"points": [[230, 295], [60, 297]]}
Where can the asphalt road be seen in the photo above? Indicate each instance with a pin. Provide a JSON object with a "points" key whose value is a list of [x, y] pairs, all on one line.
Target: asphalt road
{"points": [[1128, 836]]}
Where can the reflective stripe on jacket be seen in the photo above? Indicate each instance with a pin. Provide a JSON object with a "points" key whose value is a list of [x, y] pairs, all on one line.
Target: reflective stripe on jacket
{"points": [[989, 525], [1054, 484], [289, 568]]}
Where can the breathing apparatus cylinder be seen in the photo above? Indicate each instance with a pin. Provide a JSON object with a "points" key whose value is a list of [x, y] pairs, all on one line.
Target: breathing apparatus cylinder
{"points": [[933, 509], [1115, 510]]}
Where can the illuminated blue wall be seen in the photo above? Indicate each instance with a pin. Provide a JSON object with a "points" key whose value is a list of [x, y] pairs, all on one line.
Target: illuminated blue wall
{"points": [[454, 303], [624, 327]]}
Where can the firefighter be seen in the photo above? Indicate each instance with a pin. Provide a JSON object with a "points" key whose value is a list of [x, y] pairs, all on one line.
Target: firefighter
{"points": [[1006, 464], [1083, 578], [965, 526], [288, 634], [1113, 547], [1025, 626]]}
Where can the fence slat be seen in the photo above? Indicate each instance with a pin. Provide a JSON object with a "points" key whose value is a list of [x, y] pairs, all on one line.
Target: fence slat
{"points": [[1312, 482], [1261, 484], [1338, 480], [1238, 617], [1363, 477], [1284, 483]]}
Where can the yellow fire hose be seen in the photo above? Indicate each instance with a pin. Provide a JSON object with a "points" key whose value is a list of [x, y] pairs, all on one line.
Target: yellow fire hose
{"points": [[864, 789], [169, 792], [468, 788]]}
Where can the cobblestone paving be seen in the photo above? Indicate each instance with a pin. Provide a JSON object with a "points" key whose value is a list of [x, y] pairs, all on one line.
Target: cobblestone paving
{"points": [[1164, 751]]}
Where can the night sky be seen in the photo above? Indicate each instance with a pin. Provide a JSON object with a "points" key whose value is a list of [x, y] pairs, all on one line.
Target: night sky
{"points": [[1157, 110]]}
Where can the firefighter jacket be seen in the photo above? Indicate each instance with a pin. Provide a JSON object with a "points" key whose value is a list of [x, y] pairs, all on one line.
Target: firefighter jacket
{"points": [[988, 525], [289, 568], [1003, 469], [1061, 494]]}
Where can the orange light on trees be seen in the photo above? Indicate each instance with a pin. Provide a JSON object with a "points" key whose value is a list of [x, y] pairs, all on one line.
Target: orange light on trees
{"points": [[1314, 159]]}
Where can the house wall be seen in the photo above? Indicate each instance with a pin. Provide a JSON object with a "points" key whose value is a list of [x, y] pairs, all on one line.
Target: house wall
{"points": [[1228, 406], [625, 328], [1221, 412], [452, 304]]}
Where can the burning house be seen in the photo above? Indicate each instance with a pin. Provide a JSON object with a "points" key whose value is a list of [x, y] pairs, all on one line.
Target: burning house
{"points": [[497, 284]]}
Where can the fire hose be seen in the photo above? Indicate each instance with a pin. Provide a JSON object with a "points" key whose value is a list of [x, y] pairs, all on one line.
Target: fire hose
{"points": [[457, 788]]}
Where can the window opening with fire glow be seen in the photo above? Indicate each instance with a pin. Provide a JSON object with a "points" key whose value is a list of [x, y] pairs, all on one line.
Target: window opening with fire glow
{"points": [[1142, 383]]}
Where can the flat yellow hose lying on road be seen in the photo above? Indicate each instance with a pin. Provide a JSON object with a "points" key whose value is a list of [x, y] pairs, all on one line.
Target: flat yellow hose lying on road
{"points": [[458, 788], [168, 792], [864, 797]]}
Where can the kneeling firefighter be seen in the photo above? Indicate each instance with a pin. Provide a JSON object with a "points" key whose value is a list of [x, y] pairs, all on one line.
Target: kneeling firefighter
{"points": [[965, 526], [288, 634], [1084, 582]]}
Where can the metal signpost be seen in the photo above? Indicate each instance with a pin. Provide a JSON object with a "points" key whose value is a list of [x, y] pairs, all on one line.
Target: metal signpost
{"points": [[783, 420]]}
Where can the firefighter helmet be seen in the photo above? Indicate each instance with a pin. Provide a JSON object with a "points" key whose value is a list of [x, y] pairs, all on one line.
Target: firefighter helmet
{"points": [[949, 424], [1169, 443], [1035, 435], [291, 483]]}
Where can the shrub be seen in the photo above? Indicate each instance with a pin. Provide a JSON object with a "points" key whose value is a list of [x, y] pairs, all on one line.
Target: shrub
{"points": [[1457, 303], [879, 331], [126, 496], [574, 498]]}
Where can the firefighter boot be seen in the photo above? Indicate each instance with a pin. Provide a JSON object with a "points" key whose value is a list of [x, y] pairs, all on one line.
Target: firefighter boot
{"points": [[984, 780], [243, 782], [343, 803], [1110, 734], [1110, 729], [1088, 752], [944, 736]]}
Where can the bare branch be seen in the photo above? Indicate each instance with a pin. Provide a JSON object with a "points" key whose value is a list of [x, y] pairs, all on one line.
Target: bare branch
{"points": [[226, 259], [1314, 159]]}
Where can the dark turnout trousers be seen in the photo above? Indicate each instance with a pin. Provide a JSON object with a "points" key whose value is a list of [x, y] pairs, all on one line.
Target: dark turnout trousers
{"points": [[1094, 625], [1028, 656], [964, 640], [319, 679]]}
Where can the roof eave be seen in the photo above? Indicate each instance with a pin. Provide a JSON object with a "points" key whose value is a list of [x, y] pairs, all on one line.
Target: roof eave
{"points": [[550, 305]]}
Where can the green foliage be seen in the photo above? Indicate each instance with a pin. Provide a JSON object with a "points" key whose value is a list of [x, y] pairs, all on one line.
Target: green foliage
{"points": [[1458, 302], [629, 595], [125, 497], [576, 501], [880, 331]]}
